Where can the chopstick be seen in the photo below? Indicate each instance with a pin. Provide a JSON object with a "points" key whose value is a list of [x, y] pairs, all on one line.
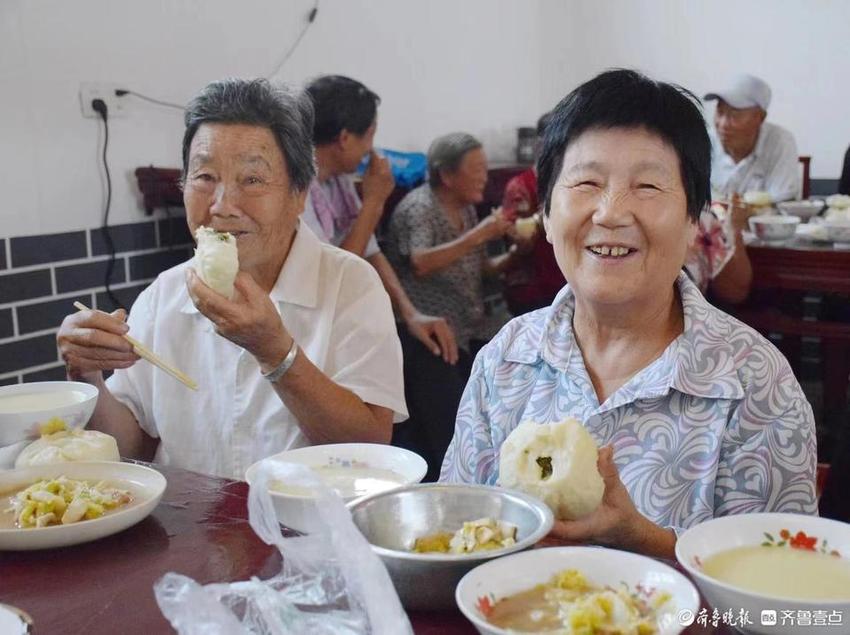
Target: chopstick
{"points": [[145, 353]]}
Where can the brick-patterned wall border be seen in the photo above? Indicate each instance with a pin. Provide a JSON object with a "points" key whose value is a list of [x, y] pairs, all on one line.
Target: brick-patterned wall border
{"points": [[42, 276]]}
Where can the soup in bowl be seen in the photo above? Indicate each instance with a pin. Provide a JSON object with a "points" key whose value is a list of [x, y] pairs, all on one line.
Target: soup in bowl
{"points": [[25, 407], [352, 470], [771, 562]]}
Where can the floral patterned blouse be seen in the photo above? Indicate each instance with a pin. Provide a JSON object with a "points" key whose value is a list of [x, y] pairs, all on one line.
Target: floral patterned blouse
{"points": [[714, 248], [717, 425]]}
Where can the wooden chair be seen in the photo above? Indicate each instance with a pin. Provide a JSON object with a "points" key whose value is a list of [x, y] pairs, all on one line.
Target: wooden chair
{"points": [[806, 184]]}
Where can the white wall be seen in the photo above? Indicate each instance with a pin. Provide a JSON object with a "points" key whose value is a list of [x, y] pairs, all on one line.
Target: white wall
{"points": [[438, 65], [485, 66], [800, 47]]}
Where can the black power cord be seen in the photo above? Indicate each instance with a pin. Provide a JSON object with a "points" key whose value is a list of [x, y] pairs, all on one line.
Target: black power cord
{"points": [[99, 106], [120, 92], [311, 17]]}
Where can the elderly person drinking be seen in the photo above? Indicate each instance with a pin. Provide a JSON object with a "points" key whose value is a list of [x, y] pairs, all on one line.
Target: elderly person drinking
{"points": [[438, 247], [697, 414], [305, 352]]}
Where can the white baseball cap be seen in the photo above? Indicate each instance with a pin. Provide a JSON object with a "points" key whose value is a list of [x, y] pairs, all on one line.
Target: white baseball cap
{"points": [[746, 91]]}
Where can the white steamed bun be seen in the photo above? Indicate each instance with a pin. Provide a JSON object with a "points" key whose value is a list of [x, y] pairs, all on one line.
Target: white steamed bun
{"points": [[67, 446], [758, 198], [556, 462], [216, 259]]}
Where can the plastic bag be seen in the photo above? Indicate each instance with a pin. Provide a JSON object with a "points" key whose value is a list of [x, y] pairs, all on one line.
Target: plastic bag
{"points": [[331, 581], [408, 168]]}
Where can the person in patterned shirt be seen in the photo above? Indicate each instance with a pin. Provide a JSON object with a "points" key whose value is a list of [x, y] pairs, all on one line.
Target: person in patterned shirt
{"points": [[696, 414]]}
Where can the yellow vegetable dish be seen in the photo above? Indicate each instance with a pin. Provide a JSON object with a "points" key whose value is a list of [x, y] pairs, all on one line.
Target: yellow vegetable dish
{"points": [[569, 605], [483, 534], [61, 501]]}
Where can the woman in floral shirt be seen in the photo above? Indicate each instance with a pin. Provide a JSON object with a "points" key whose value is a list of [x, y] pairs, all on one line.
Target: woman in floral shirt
{"points": [[696, 413]]}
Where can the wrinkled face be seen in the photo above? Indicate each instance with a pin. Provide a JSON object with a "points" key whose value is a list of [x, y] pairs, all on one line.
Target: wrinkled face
{"points": [[618, 219], [354, 147], [737, 128], [468, 180], [236, 181]]}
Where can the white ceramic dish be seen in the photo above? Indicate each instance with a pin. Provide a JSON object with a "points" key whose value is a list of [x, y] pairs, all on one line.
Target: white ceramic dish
{"points": [[837, 231], [774, 228], [299, 511], [812, 232], [506, 576], [720, 534], [145, 484], [14, 621], [804, 209], [71, 401]]}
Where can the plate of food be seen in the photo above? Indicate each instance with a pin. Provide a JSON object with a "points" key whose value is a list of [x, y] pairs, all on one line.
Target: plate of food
{"points": [[576, 590], [62, 504]]}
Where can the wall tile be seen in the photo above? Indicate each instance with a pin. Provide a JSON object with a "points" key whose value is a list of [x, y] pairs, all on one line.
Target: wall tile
{"points": [[150, 265], [25, 285], [32, 351], [2, 253], [36, 250], [129, 237], [174, 231], [88, 275], [47, 315], [126, 296], [55, 373], [7, 327], [8, 381]]}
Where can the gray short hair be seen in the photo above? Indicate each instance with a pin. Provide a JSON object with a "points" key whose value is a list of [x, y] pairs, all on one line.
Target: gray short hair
{"points": [[447, 152], [256, 102]]}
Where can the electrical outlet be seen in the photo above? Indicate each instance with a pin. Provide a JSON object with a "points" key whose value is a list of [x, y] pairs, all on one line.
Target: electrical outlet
{"points": [[101, 90]]}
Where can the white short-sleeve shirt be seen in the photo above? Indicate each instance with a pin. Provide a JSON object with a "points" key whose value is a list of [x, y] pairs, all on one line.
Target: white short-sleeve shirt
{"points": [[331, 302], [773, 166]]}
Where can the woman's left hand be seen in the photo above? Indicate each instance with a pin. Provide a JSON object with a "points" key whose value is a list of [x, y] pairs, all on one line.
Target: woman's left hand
{"points": [[249, 320], [616, 522]]}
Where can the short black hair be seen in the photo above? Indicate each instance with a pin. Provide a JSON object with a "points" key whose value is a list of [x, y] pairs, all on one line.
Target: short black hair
{"points": [[257, 102], [341, 103], [627, 99], [542, 123]]}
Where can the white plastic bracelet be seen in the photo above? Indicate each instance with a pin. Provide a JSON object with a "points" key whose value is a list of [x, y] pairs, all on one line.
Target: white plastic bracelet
{"points": [[285, 365]]}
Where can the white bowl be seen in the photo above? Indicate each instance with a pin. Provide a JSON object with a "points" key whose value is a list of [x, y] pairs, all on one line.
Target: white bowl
{"points": [[71, 401], [500, 578], [720, 534], [773, 228], [298, 511], [804, 209], [145, 484]]}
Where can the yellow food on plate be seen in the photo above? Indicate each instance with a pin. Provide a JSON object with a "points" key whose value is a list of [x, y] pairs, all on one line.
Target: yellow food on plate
{"points": [[758, 198], [570, 605], [556, 462], [62, 501], [484, 534]]}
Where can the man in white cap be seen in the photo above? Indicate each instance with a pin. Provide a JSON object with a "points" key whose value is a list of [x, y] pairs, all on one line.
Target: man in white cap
{"points": [[750, 153]]}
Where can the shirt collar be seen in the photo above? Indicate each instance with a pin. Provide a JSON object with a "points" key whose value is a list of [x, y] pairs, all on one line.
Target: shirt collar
{"points": [[298, 280], [702, 360]]}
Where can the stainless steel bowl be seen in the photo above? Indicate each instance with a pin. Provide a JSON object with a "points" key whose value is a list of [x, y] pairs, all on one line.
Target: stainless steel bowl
{"points": [[392, 521]]}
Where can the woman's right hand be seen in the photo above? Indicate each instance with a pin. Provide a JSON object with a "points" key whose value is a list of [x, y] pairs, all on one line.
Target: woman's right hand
{"points": [[492, 227], [92, 341]]}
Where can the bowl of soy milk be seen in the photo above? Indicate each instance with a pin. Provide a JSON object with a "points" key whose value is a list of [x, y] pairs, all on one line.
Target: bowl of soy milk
{"points": [[772, 565], [352, 470], [25, 407]]}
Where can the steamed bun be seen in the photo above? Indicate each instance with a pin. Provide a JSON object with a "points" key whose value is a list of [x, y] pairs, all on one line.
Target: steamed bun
{"points": [[67, 446], [216, 259], [556, 462], [758, 198]]}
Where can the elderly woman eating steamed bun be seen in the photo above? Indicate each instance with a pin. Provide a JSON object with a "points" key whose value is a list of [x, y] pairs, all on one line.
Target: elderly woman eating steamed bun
{"points": [[305, 351], [697, 414]]}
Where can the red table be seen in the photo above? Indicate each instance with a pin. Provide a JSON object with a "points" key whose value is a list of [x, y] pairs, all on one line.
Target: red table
{"points": [[200, 529]]}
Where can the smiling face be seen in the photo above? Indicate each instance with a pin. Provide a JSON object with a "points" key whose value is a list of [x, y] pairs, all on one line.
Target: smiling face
{"points": [[236, 181], [618, 219]]}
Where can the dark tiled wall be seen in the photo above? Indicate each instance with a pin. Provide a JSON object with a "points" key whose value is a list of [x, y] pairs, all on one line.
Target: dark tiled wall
{"points": [[42, 276]]}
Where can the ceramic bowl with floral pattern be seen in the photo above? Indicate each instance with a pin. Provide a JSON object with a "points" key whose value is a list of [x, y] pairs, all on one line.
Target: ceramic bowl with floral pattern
{"points": [[779, 536]]}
